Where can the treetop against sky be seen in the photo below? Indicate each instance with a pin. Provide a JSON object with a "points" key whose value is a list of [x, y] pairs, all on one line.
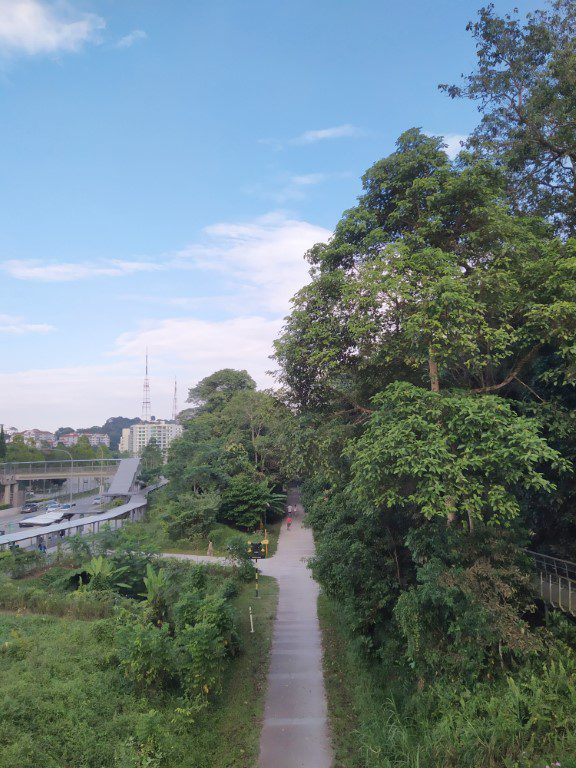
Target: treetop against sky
{"points": [[166, 166]]}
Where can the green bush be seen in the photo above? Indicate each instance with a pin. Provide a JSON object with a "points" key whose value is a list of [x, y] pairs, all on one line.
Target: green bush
{"points": [[19, 562], [244, 503], [238, 555], [191, 515], [80, 604], [146, 655]]}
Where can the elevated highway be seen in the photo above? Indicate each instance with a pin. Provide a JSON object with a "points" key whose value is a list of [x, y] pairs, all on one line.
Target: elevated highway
{"points": [[27, 471]]}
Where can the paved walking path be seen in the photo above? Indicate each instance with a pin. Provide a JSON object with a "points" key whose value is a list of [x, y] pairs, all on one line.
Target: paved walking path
{"points": [[295, 732]]}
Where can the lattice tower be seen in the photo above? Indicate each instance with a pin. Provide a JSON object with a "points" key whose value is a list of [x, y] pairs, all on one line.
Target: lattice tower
{"points": [[146, 409]]}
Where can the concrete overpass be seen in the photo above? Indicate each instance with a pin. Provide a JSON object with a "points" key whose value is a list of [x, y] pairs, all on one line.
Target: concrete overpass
{"points": [[27, 471]]}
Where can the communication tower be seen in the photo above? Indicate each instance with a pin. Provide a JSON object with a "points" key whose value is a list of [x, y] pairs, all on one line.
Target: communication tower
{"points": [[146, 394], [175, 402]]}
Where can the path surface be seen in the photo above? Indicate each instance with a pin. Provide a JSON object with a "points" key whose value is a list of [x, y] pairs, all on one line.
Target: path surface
{"points": [[295, 732]]}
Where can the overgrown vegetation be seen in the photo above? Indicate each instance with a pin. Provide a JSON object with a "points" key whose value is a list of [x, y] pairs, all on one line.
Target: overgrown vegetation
{"points": [[139, 681]]}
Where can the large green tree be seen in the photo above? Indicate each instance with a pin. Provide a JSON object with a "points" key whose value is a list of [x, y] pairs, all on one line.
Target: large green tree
{"points": [[525, 84], [214, 391], [434, 279], [438, 318]]}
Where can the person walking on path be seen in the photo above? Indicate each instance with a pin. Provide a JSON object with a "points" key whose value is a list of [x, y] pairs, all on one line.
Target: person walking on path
{"points": [[288, 521]]}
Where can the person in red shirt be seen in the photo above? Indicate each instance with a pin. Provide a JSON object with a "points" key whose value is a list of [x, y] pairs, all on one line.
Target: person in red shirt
{"points": [[288, 522]]}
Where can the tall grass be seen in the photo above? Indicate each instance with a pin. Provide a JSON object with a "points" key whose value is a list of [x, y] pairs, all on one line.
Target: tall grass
{"points": [[20, 597]]}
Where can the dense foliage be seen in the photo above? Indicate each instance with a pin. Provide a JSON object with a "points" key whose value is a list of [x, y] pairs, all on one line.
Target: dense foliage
{"points": [[431, 364], [228, 466]]}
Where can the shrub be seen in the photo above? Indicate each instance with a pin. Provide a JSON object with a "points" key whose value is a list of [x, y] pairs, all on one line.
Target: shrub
{"points": [[185, 611], [244, 503], [203, 653], [238, 555], [146, 654], [20, 562], [191, 515]]}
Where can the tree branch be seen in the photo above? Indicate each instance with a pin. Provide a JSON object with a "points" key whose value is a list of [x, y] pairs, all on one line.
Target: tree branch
{"points": [[513, 373]]}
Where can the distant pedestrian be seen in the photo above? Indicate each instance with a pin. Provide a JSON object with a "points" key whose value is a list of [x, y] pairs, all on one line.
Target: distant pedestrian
{"points": [[290, 510], [210, 552], [41, 545], [289, 522]]}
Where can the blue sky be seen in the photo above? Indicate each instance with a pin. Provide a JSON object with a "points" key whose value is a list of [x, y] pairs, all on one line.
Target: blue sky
{"points": [[165, 165]]}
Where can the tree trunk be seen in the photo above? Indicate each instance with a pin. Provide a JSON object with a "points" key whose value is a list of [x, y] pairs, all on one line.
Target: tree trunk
{"points": [[433, 370]]}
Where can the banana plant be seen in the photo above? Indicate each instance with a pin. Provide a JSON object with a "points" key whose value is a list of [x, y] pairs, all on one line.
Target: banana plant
{"points": [[157, 585], [103, 575]]}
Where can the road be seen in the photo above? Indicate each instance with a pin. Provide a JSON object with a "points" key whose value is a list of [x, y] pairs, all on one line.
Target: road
{"points": [[9, 519]]}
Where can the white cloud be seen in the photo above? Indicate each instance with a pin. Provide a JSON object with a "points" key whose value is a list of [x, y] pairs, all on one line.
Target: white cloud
{"points": [[453, 143], [49, 398], [69, 272], [131, 38], [260, 265], [263, 259], [296, 187], [345, 131], [200, 347], [322, 134], [16, 326], [34, 27]]}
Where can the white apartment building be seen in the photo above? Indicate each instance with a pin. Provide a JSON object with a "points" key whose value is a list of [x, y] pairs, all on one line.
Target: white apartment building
{"points": [[98, 438], [135, 438], [39, 437], [94, 438]]}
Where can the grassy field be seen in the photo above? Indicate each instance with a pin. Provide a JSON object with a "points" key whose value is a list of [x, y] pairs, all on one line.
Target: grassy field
{"points": [[63, 703]]}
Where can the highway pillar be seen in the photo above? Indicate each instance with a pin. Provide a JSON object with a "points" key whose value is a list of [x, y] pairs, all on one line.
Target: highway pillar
{"points": [[7, 498]]}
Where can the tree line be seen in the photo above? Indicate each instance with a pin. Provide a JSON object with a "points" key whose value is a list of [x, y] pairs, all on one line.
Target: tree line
{"points": [[430, 364]]}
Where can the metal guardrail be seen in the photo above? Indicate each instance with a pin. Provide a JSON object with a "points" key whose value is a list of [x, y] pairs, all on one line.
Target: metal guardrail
{"points": [[553, 566], [31, 468], [556, 581]]}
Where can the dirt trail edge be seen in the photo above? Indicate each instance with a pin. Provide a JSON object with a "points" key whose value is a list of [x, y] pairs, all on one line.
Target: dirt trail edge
{"points": [[295, 733]]}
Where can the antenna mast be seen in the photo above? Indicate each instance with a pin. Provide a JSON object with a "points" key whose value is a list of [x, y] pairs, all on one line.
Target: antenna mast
{"points": [[146, 395], [175, 402]]}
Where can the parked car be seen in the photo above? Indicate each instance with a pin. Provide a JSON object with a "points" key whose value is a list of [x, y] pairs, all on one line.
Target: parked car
{"points": [[30, 507], [97, 500], [68, 506]]}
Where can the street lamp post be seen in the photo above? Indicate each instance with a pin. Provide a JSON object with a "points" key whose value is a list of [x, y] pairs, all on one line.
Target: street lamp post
{"points": [[71, 471], [101, 488]]}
